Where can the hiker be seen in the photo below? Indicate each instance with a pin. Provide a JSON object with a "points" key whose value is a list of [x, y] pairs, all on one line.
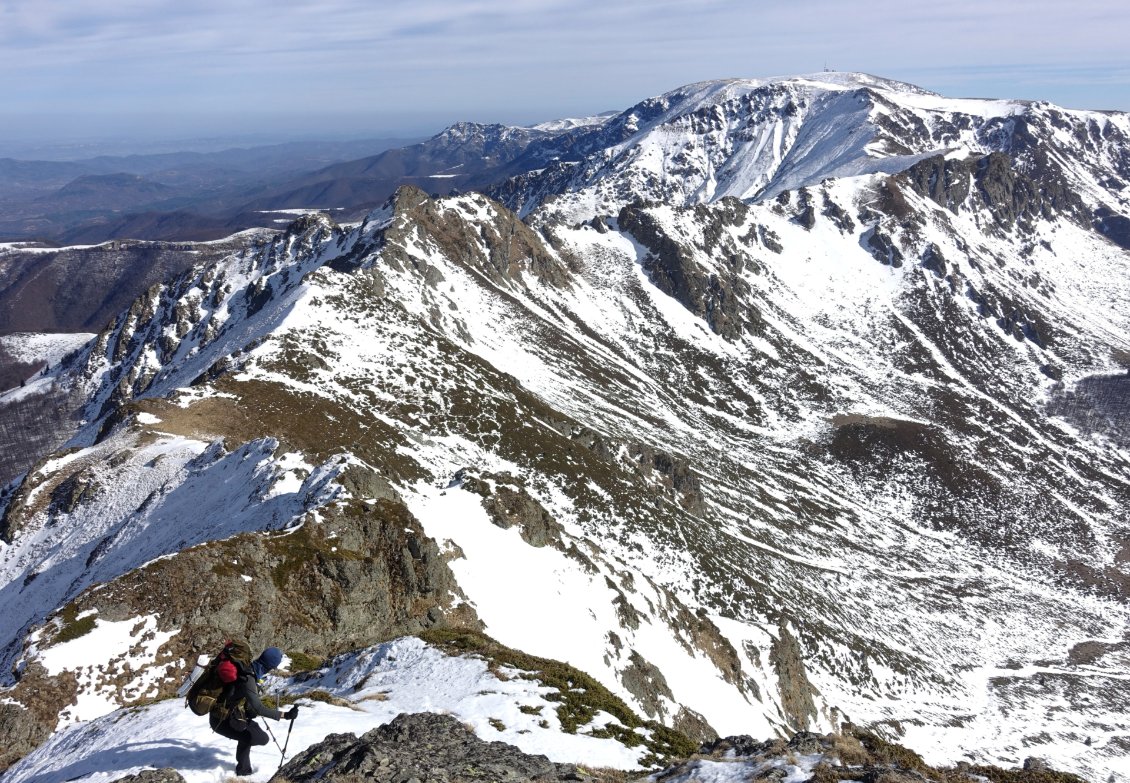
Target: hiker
{"points": [[243, 705]]}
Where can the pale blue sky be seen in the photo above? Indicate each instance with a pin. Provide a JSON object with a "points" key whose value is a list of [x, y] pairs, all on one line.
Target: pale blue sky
{"points": [[182, 68]]}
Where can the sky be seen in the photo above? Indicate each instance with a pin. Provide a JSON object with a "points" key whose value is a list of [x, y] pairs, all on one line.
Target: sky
{"points": [[156, 69]]}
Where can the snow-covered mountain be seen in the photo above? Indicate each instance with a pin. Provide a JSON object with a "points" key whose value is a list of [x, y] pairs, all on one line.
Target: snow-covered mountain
{"points": [[789, 402], [755, 139]]}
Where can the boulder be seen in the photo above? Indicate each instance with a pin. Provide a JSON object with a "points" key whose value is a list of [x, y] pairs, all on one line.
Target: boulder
{"points": [[164, 775]]}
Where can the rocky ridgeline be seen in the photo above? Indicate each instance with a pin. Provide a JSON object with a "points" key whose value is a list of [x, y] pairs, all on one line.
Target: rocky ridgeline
{"points": [[431, 748]]}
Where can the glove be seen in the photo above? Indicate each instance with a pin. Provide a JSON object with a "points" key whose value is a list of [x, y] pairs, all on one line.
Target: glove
{"points": [[292, 713]]}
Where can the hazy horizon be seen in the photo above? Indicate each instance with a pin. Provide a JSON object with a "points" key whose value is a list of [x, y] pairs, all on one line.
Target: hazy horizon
{"points": [[198, 70]]}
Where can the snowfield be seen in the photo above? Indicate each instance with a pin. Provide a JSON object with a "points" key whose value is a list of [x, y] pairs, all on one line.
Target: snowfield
{"points": [[28, 347]]}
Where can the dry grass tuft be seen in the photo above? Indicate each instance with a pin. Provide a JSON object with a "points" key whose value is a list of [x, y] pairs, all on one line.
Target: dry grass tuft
{"points": [[610, 775], [849, 750]]}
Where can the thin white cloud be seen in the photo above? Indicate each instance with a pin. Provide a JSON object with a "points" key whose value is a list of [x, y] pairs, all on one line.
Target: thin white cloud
{"points": [[532, 56]]}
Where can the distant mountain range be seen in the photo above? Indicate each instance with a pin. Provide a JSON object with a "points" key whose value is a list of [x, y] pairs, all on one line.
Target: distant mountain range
{"points": [[94, 199]]}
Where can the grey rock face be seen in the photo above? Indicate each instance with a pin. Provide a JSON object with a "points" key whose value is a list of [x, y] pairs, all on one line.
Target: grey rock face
{"points": [[1012, 195], [884, 249], [946, 182], [366, 574], [808, 742], [716, 297], [693, 725], [999, 184], [500, 250], [741, 745], [75, 491], [674, 473], [647, 683], [28, 714], [20, 733], [1113, 226], [838, 215], [510, 505], [807, 215], [796, 691], [421, 747], [933, 260], [164, 775]]}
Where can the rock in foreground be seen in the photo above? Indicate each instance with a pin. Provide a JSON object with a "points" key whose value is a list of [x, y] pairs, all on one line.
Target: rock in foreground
{"points": [[163, 775], [420, 747]]}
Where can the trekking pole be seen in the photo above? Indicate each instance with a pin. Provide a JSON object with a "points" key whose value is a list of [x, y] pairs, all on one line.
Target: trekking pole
{"points": [[285, 745], [266, 725]]}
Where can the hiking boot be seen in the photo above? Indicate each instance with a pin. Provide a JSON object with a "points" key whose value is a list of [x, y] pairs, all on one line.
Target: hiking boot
{"points": [[241, 771]]}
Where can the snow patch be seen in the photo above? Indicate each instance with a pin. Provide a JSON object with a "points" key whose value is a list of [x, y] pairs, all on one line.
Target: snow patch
{"points": [[31, 347], [96, 657]]}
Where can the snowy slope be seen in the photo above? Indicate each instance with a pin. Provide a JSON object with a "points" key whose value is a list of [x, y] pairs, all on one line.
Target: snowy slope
{"points": [[162, 495], [371, 687], [48, 348]]}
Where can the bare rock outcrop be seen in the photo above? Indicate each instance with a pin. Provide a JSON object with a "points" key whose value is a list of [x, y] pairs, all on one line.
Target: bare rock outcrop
{"points": [[419, 747]]}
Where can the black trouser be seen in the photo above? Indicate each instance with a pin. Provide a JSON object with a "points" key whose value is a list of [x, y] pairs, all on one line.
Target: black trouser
{"points": [[247, 737]]}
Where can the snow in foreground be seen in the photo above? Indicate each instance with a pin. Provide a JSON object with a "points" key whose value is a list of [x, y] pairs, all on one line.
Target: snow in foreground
{"points": [[741, 770], [405, 675]]}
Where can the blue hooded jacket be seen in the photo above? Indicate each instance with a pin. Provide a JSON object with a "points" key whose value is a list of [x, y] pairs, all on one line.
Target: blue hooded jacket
{"points": [[268, 661]]}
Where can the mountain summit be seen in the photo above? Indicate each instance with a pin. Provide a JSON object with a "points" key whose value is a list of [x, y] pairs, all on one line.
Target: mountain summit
{"points": [[755, 139], [768, 405]]}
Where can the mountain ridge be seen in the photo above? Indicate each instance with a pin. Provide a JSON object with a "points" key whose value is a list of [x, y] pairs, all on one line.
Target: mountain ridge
{"points": [[740, 122]]}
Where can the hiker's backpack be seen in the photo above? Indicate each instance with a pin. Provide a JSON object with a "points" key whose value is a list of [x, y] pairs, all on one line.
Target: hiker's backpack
{"points": [[221, 672]]}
